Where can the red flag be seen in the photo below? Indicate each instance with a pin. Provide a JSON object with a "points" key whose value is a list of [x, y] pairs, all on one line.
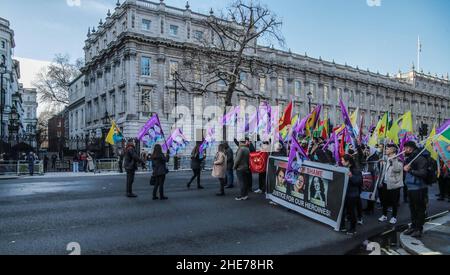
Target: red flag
{"points": [[287, 117]]}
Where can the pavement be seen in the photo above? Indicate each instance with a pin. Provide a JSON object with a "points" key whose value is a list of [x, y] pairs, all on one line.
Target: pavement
{"points": [[435, 240], [41, 216]]}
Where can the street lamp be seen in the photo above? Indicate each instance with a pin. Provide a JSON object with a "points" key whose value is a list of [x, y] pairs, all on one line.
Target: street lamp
{"points": [[310, 96]]}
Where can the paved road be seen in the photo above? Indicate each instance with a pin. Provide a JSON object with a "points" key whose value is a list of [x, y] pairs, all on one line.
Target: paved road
{"points": [[41, 216]]}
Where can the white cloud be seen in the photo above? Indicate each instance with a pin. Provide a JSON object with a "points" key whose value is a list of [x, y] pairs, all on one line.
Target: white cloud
{"points": [[73, 3], [29, 68], [374, 3]]}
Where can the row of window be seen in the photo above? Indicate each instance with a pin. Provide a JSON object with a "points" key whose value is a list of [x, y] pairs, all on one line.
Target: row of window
{"points": [[96, 109], [146, 25]]}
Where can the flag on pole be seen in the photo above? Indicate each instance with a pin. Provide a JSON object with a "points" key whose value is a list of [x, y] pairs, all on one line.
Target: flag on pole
{"points": [[400, 128], [208, 142], [380, 132], [114, 136], [176, 143], [230, 118], [296, 158], [312, 121], [286, 119], [429, 146], [442, 145], [151, 132]]}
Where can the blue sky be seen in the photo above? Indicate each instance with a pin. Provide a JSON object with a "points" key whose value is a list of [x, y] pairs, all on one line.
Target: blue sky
{"points": [[382, 38]]}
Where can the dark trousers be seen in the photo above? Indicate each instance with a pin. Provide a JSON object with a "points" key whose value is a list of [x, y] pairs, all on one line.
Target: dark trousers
{"points": [[197, 174], [359, 208], [223, 183], [391, 198], [418, 207], [262, 181], [405, 193], [249, 178], [159, 184], [243, 182], [230, 177], [444, 187], [350, 209], [31, 169], [130, 181]]}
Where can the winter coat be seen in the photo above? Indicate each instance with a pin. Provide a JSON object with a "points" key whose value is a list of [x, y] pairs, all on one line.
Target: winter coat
{"points": [[196, 161], [354, 183], [230, 159], [131, 159], [159, 165], [220, 166], [393, 175], [242, 160], [415, 178]]}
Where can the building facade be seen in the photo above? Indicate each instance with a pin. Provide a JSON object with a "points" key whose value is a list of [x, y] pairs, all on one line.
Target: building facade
{"points": [[56, 133], [76, 115], [130, 57], [30, 119]]}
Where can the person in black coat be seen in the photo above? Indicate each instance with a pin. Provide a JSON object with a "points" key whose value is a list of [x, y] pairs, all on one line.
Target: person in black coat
{"points": [[196, 166], [230, 163], [352, 195], [131, 164], [159, 165]]}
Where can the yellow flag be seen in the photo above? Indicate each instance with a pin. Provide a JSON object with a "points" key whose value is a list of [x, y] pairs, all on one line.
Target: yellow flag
{"points": [[380, 132], [112, 131], [401, 127], [429, 146], [353, 120]]}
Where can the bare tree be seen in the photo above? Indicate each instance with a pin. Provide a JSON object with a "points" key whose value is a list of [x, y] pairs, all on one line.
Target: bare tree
{"points": [[53, 82], [230, 48]]}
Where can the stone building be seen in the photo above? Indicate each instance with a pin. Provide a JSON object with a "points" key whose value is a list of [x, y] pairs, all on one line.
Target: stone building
{"points": [[129, 59]]}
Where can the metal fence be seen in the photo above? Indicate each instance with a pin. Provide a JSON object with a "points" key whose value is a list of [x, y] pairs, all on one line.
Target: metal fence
{"points": [[20, 167], [183, 163]]}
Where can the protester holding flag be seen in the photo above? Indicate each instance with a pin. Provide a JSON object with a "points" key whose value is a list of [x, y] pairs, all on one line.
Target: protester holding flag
{"points": [[159, 166], [220, 167], [416, 172], [392, 183], [196, 166], [352, 195], [131, 165]]}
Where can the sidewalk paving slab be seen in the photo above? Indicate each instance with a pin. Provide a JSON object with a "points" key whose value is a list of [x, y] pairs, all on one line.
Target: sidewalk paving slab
{"points": [[435, 240]]}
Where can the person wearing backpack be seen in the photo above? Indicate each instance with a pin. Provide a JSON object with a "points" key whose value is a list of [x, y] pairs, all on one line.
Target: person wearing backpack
{"points": [[416, 169]]}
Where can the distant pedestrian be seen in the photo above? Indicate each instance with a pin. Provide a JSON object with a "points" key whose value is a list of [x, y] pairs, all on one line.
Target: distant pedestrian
{"points": [[230, 163], [220, 168], [75, 163], [392, 183], [83, 162], [46, 163], [90, 163], [196, 166], [54, 159], [131, 165], [31, 159], [242, 167], [416, 173], [352, 195], [159, 165]]}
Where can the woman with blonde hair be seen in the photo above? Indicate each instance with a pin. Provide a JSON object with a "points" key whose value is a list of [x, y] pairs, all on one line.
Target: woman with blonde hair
{"points": [[220, 168]]}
